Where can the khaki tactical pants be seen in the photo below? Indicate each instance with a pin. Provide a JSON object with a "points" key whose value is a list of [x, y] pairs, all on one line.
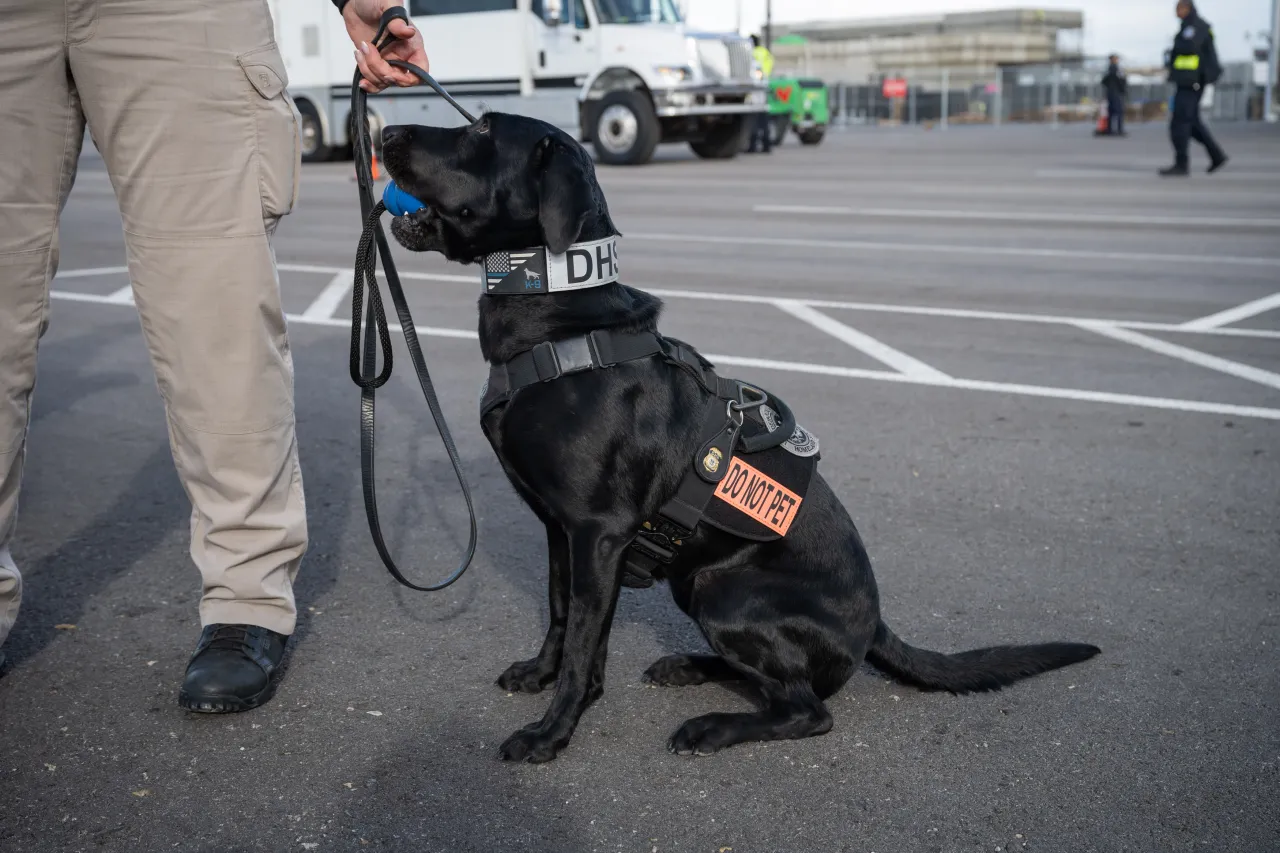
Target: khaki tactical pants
{"points": [[185, 99]]}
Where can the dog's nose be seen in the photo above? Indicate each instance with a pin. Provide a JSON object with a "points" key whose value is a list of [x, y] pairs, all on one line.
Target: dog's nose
{"points": [[394, 134]]}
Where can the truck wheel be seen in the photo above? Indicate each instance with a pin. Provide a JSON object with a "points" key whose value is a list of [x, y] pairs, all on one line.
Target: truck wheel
{"points": [[313, 148], [813, 135], [626, 130], [724, 141]]}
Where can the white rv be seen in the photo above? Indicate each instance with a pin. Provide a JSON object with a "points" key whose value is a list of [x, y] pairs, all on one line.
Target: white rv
{"points": [[623, 75]]}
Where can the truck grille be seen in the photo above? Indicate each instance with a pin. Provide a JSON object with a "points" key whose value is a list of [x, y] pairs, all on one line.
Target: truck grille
{"points": [[739, 60], [724, 61]]}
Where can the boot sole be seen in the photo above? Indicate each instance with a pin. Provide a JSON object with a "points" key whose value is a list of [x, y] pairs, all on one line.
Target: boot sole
{"points": [[225, 704]]}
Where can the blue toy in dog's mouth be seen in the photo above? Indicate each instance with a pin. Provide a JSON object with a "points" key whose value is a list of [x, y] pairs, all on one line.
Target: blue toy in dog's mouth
{"points": [[398, 202]]}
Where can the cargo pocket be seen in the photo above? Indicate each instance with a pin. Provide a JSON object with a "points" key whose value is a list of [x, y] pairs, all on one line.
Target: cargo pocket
{"points": [[276, 121]]}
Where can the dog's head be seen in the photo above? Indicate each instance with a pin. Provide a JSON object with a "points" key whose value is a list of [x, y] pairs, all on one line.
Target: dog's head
{"points": [[502, 183]]}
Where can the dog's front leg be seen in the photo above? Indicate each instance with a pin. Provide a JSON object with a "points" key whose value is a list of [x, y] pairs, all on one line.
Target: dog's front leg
{"points": [[595, 573], [531, 676]]}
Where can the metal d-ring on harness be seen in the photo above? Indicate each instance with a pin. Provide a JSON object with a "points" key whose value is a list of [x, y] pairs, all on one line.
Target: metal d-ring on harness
{"points": [[377, 333]]}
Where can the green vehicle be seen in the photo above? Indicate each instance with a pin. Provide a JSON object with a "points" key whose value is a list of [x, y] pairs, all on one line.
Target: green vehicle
{"points": [[799, 104]]}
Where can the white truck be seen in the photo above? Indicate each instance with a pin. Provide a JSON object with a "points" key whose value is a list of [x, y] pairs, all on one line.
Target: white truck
{"points": [[623, 75]]}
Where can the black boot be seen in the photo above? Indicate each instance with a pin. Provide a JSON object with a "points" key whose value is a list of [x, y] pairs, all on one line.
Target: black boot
{"points": [[1218, 163], [1175, 171], [231, 669]]}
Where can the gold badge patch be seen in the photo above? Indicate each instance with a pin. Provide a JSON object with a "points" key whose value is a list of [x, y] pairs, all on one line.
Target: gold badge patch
{"points": [[711, 462]]}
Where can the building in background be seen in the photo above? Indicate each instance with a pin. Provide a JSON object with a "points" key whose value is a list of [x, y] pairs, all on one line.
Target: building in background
{"points": [[967, 43], [1009, 65]]}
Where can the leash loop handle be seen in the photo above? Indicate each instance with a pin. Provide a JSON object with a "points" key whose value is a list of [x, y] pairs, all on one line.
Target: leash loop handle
{"points": [[377, 332]]}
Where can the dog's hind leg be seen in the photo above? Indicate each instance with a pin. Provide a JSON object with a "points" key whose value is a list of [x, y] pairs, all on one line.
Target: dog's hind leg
{"points": [[532, 676], [790, 712], [794, 650], [687, 670]]}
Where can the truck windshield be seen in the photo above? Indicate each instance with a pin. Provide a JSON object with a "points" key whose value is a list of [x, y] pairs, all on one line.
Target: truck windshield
{"points": [[638, 12]]}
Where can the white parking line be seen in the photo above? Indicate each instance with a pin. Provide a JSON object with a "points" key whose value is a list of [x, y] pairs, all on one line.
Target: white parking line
{"points": [[864, 343], [953, 249], [1145, 172], [90, 273], [1234, 315], [1017, 216], [848, 372], [332, 295], [1006, 388], [922, 310], [422, 276], [1191, 356], [123, 296]]}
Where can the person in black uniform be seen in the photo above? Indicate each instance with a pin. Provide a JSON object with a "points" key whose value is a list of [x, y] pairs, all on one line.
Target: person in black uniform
{"points": [[1193, 64], [1116, 87]]}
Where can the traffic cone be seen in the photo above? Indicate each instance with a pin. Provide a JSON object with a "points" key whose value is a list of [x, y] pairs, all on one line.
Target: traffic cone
{"points": [[375, 165]]}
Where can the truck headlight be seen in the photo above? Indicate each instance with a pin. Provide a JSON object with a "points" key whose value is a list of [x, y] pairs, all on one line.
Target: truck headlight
{"points": [[756, 98], [672, 74]]}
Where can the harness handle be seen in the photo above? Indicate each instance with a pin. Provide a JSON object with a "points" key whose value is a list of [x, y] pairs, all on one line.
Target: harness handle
{"points": [[377, 333], [769, 440]]}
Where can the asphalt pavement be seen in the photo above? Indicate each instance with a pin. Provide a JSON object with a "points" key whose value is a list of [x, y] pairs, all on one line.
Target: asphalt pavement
{"points": [[1047, 386]]}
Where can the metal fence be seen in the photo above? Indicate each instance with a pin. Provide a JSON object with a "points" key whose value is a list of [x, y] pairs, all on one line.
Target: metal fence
{"points": [[1040, 94]]}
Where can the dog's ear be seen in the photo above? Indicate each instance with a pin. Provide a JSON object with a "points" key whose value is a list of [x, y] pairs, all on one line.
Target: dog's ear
{"points": [[564, 194]]}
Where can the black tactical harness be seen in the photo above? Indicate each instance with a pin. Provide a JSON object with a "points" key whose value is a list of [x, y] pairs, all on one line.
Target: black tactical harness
{"points": [[738, 419]]}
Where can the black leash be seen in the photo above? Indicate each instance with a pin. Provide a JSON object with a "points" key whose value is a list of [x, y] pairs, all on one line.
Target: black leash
{"points": [[377, 333]]}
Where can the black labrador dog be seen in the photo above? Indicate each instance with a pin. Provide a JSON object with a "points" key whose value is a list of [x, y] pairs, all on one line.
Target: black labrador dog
{"points": [[595, 454]]}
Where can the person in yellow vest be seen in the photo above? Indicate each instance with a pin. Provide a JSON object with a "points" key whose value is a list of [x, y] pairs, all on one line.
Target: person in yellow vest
{"points": [[760, 130], [1192, 64]]}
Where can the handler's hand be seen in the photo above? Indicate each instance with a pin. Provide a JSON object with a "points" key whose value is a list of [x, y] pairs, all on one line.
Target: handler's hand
{"points": [[362, 18]]}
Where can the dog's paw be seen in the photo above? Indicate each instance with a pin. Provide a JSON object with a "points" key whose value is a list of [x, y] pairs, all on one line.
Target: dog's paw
{"points": [[533, 745], [674, 671], [526, 676], [705, 735]]}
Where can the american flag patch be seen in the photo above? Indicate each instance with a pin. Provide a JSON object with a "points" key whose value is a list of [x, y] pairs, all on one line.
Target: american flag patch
{"points": [[500, 264]]}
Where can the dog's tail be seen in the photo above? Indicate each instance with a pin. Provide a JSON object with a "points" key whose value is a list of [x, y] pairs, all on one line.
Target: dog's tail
{"points": [[972, 671]]}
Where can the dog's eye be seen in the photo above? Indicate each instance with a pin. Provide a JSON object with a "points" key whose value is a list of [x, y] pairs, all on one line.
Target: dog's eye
{"points": [[465, 213]]}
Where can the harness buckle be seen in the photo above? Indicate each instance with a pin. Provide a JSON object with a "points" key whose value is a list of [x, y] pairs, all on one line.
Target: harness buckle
{"points": [[659, 543], [562, 358], [599, 344], [546, 362]]}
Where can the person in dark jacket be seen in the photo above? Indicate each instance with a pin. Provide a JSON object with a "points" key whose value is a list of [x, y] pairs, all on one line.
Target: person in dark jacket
{"points": [[1116, 88], [1193, 64]]}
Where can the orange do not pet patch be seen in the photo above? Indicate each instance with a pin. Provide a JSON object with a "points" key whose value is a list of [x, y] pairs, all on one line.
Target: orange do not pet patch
{"points": [[759, 496]]}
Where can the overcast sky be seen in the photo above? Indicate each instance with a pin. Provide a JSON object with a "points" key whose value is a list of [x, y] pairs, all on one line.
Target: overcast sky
{"points": [[1139, 30]]}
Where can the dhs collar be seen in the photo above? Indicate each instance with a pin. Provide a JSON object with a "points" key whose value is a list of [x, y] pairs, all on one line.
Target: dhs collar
{"points": [[537, 272]]}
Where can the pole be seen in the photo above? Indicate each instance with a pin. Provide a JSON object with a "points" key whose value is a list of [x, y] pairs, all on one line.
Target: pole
{"points": [[946, 96], [526, 55], [1273, 62], [1057, 82], [999, 98], [768, 25]]}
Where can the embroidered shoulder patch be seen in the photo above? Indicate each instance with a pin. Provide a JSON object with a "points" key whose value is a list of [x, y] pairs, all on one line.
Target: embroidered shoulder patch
{"points": [[801, 443]]}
